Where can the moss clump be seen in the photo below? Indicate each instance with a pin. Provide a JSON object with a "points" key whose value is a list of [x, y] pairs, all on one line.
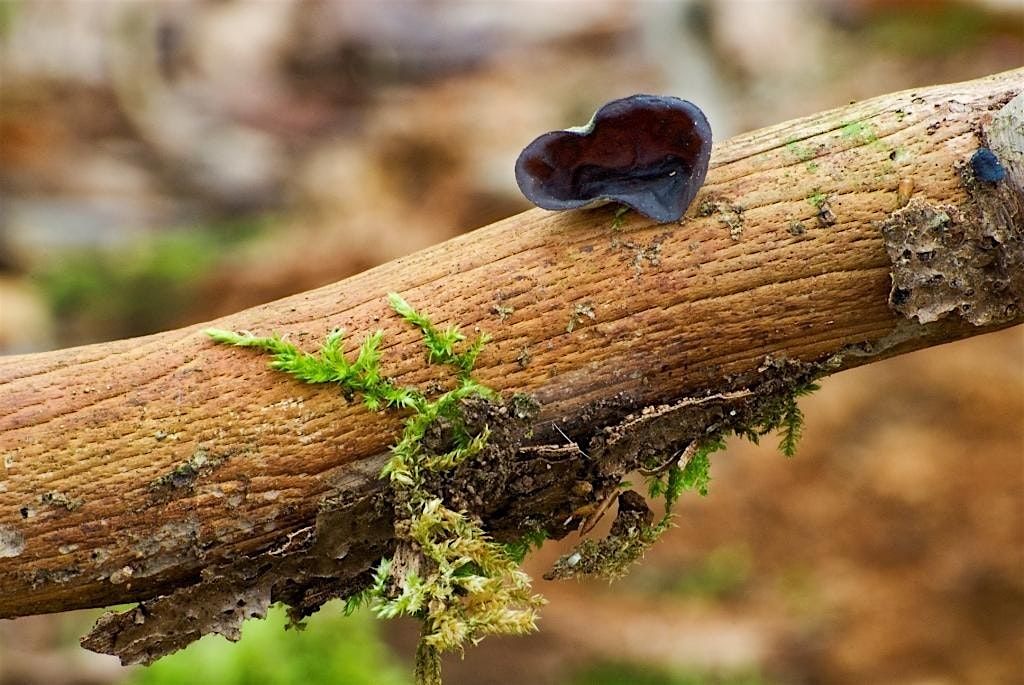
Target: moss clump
{"points": [[446, 570], [859, 132], [781, 414], [634, 529], [818, 199], [801, 152]]}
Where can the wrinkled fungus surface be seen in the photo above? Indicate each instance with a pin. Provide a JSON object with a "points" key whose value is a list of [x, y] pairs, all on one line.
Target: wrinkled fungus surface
{"points": [[648, 152]]}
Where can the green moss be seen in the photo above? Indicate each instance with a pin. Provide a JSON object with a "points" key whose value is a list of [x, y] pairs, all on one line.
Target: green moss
{"points": [[697, 473], [532, 540], [441, 344], [799, 150], [859, 132], [783, 416], [446, 570], [692, 472], [818, 199]]}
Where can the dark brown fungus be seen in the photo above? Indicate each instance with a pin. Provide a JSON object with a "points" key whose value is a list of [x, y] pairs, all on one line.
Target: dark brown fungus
{"points": [[649, 152]]}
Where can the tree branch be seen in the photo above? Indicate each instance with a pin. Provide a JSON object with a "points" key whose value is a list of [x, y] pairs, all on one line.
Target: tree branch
{"points": [[172, 468]]}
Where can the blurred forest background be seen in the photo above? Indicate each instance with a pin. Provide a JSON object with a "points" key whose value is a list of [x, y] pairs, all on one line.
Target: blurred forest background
{"points": [[163, 163]]}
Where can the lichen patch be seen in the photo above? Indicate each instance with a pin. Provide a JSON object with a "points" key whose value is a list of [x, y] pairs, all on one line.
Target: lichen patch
{"points": [[59, 500], [950, 260], [183, 477], [12, 542]]}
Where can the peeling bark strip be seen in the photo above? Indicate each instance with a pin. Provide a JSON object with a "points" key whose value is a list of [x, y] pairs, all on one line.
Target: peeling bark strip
{"points": [[210, 485]]}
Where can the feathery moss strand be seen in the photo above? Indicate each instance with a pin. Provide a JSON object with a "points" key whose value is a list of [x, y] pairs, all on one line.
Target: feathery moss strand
{"points": [[446, 570], [453, 577]]}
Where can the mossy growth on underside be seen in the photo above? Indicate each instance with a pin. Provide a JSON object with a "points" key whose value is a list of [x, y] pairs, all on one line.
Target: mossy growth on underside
{"points": [[446, 570], [634, 529]]}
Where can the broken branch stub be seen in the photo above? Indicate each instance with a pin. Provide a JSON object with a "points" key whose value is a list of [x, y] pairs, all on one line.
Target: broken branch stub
{"points": [[208, 485]]}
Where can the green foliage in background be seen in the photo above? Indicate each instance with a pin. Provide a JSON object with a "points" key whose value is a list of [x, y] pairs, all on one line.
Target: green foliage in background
{"points": [[332, 649], [924, 31], [140, 288], [8, 9], [722, 574]]}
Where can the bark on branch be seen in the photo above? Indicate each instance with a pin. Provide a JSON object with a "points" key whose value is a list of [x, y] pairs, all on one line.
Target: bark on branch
{"points": [[170, 469]]}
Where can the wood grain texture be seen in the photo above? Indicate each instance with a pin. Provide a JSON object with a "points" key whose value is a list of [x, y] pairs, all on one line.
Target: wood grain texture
{"points": [[781, 255]]}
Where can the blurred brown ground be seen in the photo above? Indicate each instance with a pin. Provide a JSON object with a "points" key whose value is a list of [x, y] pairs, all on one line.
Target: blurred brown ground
{"points": [[891, 549]]}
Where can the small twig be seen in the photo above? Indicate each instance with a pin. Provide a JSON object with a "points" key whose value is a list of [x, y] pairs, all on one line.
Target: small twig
{"points": [[571, 441]]}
